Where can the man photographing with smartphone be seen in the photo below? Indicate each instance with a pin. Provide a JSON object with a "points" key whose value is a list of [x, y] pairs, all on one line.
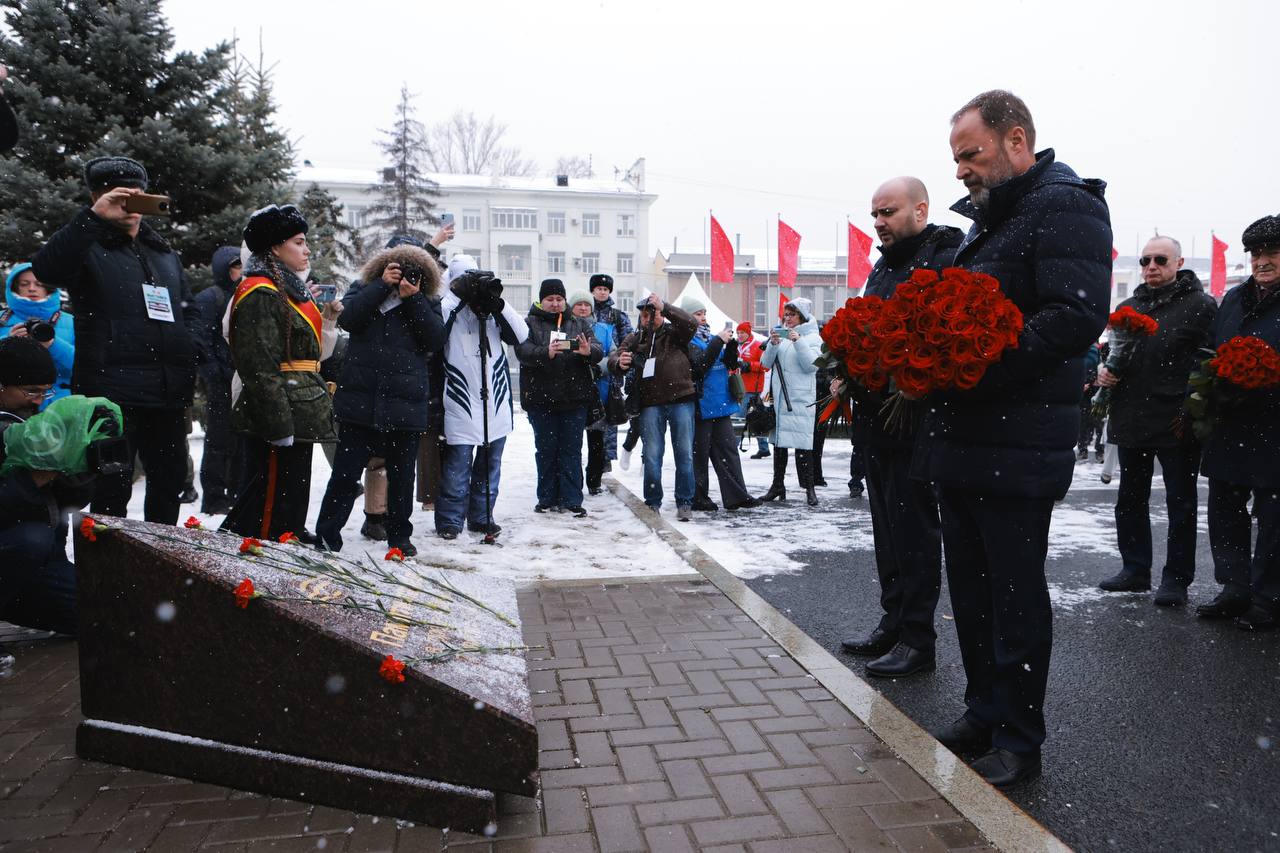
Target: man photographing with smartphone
{"points": [[136, 325]]}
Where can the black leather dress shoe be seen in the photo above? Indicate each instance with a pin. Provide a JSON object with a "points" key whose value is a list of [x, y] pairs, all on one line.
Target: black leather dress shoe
{"points": [[902, 660], [1227, 605], [1258, 618], [1004, 769], [705, 505], [1126, 582], [875, 644], [963, 736], [1171, 594]]}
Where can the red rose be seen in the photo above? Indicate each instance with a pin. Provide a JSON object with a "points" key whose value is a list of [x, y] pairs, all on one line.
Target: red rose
{"points": [[968, 375], [893, 352]]}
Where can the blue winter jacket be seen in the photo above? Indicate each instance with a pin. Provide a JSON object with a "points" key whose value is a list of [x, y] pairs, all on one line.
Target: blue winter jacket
{"points": [[63, 348], [715, 401], [1045, 235], [1242, 449], [604, 336]]}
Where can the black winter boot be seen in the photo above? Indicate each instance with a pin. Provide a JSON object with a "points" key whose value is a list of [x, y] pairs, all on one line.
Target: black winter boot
{"points": [[777, 491], [374, 527], [804, 470]]}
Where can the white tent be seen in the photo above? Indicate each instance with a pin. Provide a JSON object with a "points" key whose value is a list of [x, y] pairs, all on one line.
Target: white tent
{"points": [[715, 317]]}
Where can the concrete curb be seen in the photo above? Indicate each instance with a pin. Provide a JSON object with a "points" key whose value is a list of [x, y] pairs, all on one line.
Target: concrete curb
{"points": [[1003, 823]]}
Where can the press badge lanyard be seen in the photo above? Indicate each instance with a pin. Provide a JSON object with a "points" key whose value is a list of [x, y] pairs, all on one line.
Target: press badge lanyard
{"points": [[649, 363], [155, 297]]}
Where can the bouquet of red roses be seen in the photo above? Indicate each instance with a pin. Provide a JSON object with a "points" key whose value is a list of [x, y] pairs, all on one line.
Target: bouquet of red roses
{"points": [[1127, 326], [937, 332], [1242, 364]]}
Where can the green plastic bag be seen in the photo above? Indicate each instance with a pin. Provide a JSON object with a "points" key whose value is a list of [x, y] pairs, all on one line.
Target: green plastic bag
{"points": [[56, 439]]}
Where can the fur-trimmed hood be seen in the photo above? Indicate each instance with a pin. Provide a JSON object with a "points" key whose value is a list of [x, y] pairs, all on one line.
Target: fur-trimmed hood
{"points": [[405, 255]]}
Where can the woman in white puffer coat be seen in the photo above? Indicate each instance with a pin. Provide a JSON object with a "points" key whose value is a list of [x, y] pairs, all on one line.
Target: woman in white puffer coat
{"points": [[793, 386]]}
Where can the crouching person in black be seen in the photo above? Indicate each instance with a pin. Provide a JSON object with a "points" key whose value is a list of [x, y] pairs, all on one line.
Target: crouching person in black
{"points": [[40, 484]]}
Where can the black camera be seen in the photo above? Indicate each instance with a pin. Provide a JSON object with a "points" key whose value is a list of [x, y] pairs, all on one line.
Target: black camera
{"points": [[39, 330], [480, 290], [412, 274], [108, 455]]}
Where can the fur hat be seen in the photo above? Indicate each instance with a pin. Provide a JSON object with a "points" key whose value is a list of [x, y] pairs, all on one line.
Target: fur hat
{"points": [[406, 255], [602, 280], [550, 287], [106, 173], [273, 225], [1263, 234], [23, 361], [404, 240]]}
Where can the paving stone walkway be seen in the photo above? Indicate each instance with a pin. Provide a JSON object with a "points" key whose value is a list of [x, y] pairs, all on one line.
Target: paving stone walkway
{"points": [[667, 719]]}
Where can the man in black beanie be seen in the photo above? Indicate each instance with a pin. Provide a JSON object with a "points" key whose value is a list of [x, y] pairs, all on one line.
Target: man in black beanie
{"points": [[136, 328], [37, 582]]}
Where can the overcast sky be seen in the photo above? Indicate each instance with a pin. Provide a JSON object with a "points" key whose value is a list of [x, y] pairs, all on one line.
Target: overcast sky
{"points": [[800, 108]]}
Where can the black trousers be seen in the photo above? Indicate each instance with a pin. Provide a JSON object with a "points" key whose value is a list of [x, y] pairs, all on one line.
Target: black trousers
{"points": [[1237, 565], [218, 465], [1090, 426], [995, 549], [714, 442], [159, 438], [819, 442], [857, 466], [356, 446], [277, 494], [908, 543], [1180, 467], [37, 581], [595, 457]]}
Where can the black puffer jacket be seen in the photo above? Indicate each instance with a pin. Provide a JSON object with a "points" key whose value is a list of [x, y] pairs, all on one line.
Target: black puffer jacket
{"points": [[1046, 236], [1149, 396], [215, 353], [385, 371], [1242, 447], [121, 353], [563, 382], [934, 248]]}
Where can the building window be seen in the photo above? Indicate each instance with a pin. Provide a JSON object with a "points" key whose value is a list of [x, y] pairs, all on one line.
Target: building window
{"points": [[515, 263], [829, 297], [555, 263], [357, 217], [627, 302], [590, 262], [514, 219], [626, 263], [1122, 290], [590, 225], [555, 222], [626, 225], [470, 219]]}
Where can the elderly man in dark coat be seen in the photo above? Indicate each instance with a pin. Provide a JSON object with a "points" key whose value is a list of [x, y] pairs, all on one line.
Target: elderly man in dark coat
{"points": [[1240, 457], [1145, 404], [1003, 452]]}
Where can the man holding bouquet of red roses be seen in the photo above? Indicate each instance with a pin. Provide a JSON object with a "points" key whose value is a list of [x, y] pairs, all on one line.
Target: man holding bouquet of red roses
{"points": [[904, 513], [1146, 400], [1241, 459], [1003, 451]]}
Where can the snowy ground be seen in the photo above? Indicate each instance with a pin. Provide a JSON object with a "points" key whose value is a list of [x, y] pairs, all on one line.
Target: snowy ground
{"points": [[612, 542]]}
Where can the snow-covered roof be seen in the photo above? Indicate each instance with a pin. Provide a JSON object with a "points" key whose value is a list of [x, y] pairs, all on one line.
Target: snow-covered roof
{"points": [[370, 175]]}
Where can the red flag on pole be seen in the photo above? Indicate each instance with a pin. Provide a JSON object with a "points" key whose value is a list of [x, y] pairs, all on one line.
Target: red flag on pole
{"points": [[721, 254], [859, 262], [788, 254], [1218, 270], [1114, 255], [782, 303]]}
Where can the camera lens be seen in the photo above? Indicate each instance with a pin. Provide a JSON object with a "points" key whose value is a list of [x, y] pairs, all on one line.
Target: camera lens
{"points": [[39, 331]]}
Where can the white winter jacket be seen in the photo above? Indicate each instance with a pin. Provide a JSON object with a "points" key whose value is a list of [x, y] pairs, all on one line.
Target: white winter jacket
{"points": [[463, 417]]}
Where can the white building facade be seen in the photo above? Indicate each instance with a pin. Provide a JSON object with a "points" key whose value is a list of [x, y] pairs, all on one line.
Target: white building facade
{"points": [[528, 229]]}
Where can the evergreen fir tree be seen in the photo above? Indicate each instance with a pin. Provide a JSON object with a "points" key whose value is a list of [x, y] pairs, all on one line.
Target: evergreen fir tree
{"points": [[405, 194], [94, 78], [335, 245]]}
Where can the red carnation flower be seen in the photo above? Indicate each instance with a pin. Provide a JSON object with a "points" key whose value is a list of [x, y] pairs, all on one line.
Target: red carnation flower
{"points": [[395, 554], [287, 537], [193, 523], [245, 593], [249, 545], [90, 528], [392, 670]]}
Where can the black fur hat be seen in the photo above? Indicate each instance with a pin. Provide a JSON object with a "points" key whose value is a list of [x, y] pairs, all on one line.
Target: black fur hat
{"points": [[271, 226], [1263, 234], [602, 280], [106, 173], [23, 361]]}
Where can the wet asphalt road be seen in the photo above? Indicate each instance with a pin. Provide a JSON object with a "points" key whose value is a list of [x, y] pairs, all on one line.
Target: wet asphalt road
{"points": [[1164, 729]]}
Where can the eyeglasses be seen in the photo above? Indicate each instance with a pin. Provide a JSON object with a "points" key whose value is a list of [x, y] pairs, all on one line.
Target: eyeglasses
{"points": [[35, 395], [1160, 260]]}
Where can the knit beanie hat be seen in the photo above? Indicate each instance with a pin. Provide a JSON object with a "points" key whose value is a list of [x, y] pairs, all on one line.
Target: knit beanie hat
{"points": [[551, 287], [581, 296], [23, 361], [744, 326], [692, 305]]}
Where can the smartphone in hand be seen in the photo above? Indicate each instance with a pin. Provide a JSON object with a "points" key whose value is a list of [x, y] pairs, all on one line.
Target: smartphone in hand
{"points": [[325, 293], [148, 205]]}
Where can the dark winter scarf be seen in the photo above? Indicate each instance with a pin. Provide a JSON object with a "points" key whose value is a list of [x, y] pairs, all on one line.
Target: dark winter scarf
{"points": [[704, 332], [1150, 298], [287, 282]]}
